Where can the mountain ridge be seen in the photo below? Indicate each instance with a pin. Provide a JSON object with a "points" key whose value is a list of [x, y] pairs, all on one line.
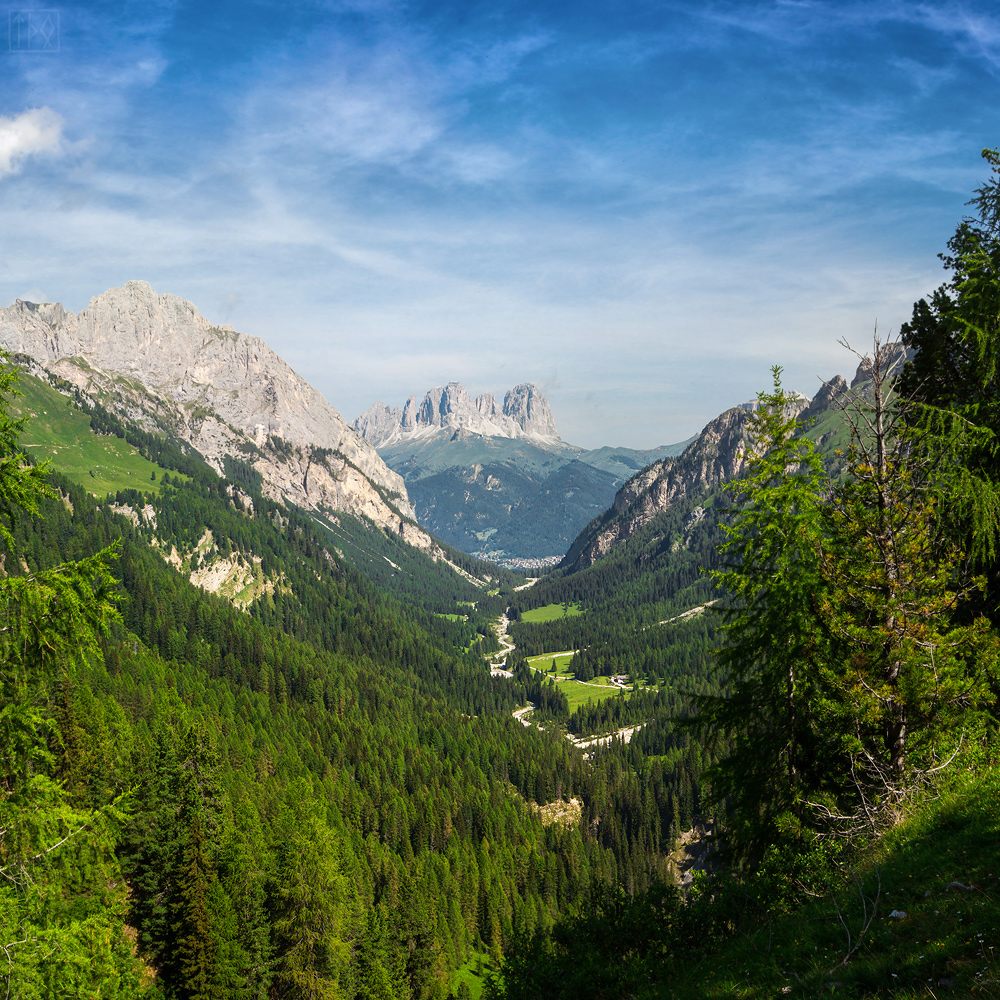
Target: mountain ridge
{"points": [[222, 392], [525, 413], [715, 456]]}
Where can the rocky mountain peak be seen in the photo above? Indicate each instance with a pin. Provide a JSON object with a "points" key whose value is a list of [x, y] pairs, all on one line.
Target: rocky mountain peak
{"points": [[449, 409], [831, 393], [891, 358], [228, 392], [529, 409]]}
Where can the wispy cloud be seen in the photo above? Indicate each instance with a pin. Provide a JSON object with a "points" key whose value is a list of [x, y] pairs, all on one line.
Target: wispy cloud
{"points": [[974, 31], [38, 131], [601, 195], [400, 104]]}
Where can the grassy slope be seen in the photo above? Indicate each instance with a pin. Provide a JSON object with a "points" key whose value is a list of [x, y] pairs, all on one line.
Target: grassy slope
{"points": [[60, 431], [550, 613], [577, 692], [948, 943]]}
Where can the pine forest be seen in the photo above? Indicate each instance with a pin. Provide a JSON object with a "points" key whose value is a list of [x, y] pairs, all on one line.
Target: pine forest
{"points": [[748, 750]]}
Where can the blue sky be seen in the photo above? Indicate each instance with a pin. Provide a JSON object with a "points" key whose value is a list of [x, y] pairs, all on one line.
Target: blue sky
{"points": [[641, 206]]}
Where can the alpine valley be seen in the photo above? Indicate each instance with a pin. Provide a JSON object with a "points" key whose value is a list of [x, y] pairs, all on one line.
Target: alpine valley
{"points": [[273, 728], [498, 481]]}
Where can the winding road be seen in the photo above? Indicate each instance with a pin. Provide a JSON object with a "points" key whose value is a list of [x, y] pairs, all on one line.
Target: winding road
{"points": [[498, 668]]}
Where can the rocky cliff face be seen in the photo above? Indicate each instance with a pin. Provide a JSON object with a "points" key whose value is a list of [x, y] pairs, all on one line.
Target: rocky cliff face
{"points": [[224, 392], [717, 455], [446, 410]]}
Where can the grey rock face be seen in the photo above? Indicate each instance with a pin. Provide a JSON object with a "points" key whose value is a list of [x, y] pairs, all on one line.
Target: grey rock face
{"points": [[221, 390], [719, 454], [831, 393], [446, 410], [530, 411], [378, 421]]}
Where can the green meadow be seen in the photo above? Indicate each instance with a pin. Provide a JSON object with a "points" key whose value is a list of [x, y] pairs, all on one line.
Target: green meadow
{"points": [[58, 430], [551, 613], [577, 692]]}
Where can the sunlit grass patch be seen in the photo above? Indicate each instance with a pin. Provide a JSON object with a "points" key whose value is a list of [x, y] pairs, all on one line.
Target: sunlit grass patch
{"points": [[551, 613]]}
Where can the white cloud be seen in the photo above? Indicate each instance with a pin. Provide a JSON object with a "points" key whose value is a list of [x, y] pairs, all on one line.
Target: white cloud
{"points": [[38, 130]]}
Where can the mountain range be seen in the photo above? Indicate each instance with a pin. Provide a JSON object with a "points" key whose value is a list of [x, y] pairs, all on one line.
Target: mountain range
{"points": [[492, 479], [489, 478], [495, 480], [156, 360], [525, 414]]}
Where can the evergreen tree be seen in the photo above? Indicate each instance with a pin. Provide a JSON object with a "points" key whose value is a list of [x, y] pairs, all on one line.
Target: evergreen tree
{"points": [[195, 949], [904, 674], [954, 371], [52, 920], [850, 674], [310, 903], [771, 575]]}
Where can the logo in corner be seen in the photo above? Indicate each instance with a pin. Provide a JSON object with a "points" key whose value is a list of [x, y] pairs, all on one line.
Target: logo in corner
{"points": [[33, 31]]}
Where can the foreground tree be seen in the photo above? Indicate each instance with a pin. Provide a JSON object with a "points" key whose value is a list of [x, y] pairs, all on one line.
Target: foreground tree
{"points": [[310, 903], [771, 571], [61, 898], [905, 674], [954, 372], [853, 674]]}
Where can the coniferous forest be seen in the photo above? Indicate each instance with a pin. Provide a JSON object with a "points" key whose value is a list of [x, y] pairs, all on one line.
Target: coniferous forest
{"points": [[321, 790]]}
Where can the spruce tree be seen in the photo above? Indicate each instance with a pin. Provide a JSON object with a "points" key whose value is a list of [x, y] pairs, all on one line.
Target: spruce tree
{"points": [[54, 913], [194, 957], [905, 673], [770, 573]]}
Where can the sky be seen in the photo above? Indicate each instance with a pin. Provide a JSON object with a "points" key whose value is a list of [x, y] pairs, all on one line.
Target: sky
{"points": [[638, 206]]}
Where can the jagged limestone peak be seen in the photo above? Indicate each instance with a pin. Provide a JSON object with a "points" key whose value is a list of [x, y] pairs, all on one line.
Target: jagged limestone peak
{"points": [[449, 409], [163, 342]]}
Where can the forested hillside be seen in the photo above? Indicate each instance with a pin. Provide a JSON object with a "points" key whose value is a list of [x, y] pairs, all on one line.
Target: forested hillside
{"points": [[302, 787], [854, 711]]}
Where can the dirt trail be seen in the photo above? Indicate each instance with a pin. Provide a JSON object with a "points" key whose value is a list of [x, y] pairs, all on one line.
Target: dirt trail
{"points": [[520, 713], [592, 741], [498, 661]]}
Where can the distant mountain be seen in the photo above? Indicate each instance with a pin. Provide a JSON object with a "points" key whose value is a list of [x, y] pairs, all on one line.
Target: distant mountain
{"points": [[497, 481], [159, 362], [716, 456], [525, 414]]}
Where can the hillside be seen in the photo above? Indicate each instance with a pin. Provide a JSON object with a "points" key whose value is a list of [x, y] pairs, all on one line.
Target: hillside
{"points": [[156, 360], [916, 916], [849, 843], [106, 454]]}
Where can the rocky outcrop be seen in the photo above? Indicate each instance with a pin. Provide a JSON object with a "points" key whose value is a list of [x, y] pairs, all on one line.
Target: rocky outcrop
{"points": [[447, 410], [831, 394], [716, 456], [224, 392], [529, 410]]}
